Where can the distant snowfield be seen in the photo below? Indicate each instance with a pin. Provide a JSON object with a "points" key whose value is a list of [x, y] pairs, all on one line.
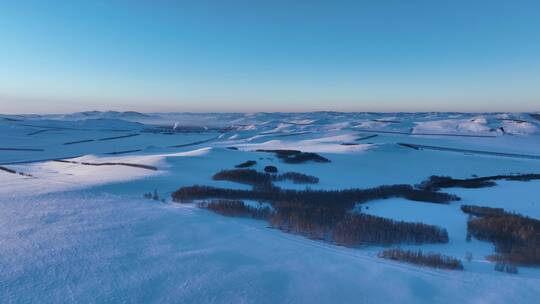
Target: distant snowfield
{"points": [[73, 232], [477, 125], [448, 126], [331, 144]]}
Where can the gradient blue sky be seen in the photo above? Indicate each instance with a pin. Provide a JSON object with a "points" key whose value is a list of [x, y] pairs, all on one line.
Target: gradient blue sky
{"points": [[380, 55]]}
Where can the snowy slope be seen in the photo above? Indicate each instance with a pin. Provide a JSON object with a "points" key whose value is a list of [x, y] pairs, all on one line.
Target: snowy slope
{"points": [[73, 232]]}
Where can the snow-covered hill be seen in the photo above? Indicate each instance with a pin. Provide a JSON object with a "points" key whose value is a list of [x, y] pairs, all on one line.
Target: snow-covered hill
{"points": [[79, 229]]}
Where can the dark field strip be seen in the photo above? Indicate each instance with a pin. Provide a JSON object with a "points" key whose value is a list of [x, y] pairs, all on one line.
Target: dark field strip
{"points": [[13, 171], [114, 130], [366, 137], [425, 134], [123, 152], [387, 121], [514, 120], [195, 143], [108, 164], [289, 134], [436, 148], [99, 139], [78, 142], [21, 149], [8, 170], [52, 127], [38, 132], [118, 137], [18, 162]]}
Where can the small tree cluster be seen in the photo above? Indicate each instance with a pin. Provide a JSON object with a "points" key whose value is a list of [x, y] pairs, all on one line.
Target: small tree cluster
{"points": [[430, 259], [245, 176], [270, 169]]}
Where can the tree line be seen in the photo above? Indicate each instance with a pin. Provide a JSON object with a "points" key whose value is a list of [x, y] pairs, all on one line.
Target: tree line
{"points": [[342, 199], [361, 228], [327, 215], [516, 237], [430, 259], [234, 208], [435, 183]]}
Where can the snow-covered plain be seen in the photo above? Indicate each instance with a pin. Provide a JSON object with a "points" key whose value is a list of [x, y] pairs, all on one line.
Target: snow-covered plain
{"points": [[71, 232]]}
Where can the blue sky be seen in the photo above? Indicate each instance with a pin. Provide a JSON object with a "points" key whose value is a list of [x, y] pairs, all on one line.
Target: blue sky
{"points": [[63, 56]]}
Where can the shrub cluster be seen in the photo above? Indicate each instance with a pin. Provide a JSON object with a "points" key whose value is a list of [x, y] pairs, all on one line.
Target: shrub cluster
{"points": [[270, 169], [430, 259], [516, 237], [297, 157], [246, 164]]}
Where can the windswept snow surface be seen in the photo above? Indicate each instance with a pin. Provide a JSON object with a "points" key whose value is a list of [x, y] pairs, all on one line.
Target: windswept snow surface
{"points": [[330, 144], [76, 232]]}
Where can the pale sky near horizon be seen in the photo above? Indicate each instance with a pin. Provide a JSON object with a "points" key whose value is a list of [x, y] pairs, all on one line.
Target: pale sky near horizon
{"points": [[230, 56]]}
